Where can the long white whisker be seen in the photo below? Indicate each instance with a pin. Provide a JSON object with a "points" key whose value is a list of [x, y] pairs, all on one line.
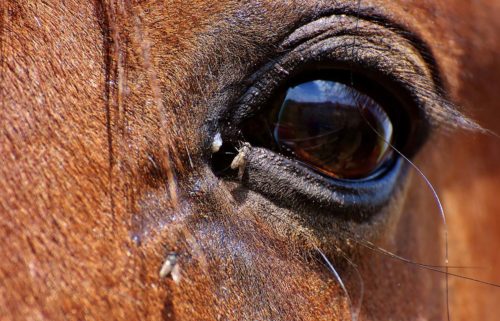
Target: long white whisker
{"points": [[435, 196], [357, 307], [341, 283]]}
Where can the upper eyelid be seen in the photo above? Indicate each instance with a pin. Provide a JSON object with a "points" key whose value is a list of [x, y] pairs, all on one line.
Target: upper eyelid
{"points": [[356, 29], [444, 112], [368, 15]]}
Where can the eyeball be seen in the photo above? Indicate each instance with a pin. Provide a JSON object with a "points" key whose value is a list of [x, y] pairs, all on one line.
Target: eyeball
{"points": [[327, 125]]}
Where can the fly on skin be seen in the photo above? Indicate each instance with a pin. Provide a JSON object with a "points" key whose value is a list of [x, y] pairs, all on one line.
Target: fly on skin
{"points": [[240, 161]]}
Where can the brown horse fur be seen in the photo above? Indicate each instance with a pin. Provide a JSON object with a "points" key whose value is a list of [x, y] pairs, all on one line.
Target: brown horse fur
{"points": [[104, 169]]}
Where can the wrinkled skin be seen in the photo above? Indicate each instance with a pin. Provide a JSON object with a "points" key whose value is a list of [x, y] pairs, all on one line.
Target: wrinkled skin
{"points": [[107, 116]]}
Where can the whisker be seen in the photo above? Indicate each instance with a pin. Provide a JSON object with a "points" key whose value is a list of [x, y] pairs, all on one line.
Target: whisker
{"points": [[434, 194], [357, 308], [434, 268], [340, 282]]}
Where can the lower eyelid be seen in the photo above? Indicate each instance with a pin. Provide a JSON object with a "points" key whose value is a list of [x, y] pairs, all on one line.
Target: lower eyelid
{"points": [[290, 184]]}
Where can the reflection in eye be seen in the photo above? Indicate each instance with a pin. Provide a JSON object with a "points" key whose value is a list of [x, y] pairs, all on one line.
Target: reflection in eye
{"points": [[333, 128]]}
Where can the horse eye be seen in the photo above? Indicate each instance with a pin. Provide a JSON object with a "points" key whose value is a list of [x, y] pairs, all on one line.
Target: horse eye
{"points": [[329, 126]]}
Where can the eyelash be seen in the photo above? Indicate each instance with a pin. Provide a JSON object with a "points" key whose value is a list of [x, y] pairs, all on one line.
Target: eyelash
{"points": [[256, 99], [400, 67]]}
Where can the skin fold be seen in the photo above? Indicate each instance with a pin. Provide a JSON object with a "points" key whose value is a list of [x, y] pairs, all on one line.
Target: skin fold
{"points": [[108, 114]]}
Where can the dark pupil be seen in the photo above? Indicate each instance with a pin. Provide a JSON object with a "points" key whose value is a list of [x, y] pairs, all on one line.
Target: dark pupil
{"points": [[333, 128]]}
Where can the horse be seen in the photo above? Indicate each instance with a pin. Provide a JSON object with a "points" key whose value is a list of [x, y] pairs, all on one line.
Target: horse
{"points": [[158, 162]]}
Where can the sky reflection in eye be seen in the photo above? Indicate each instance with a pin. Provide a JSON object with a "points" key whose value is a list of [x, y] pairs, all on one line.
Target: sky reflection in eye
{"points": [[330, 126], [318, 91]]}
